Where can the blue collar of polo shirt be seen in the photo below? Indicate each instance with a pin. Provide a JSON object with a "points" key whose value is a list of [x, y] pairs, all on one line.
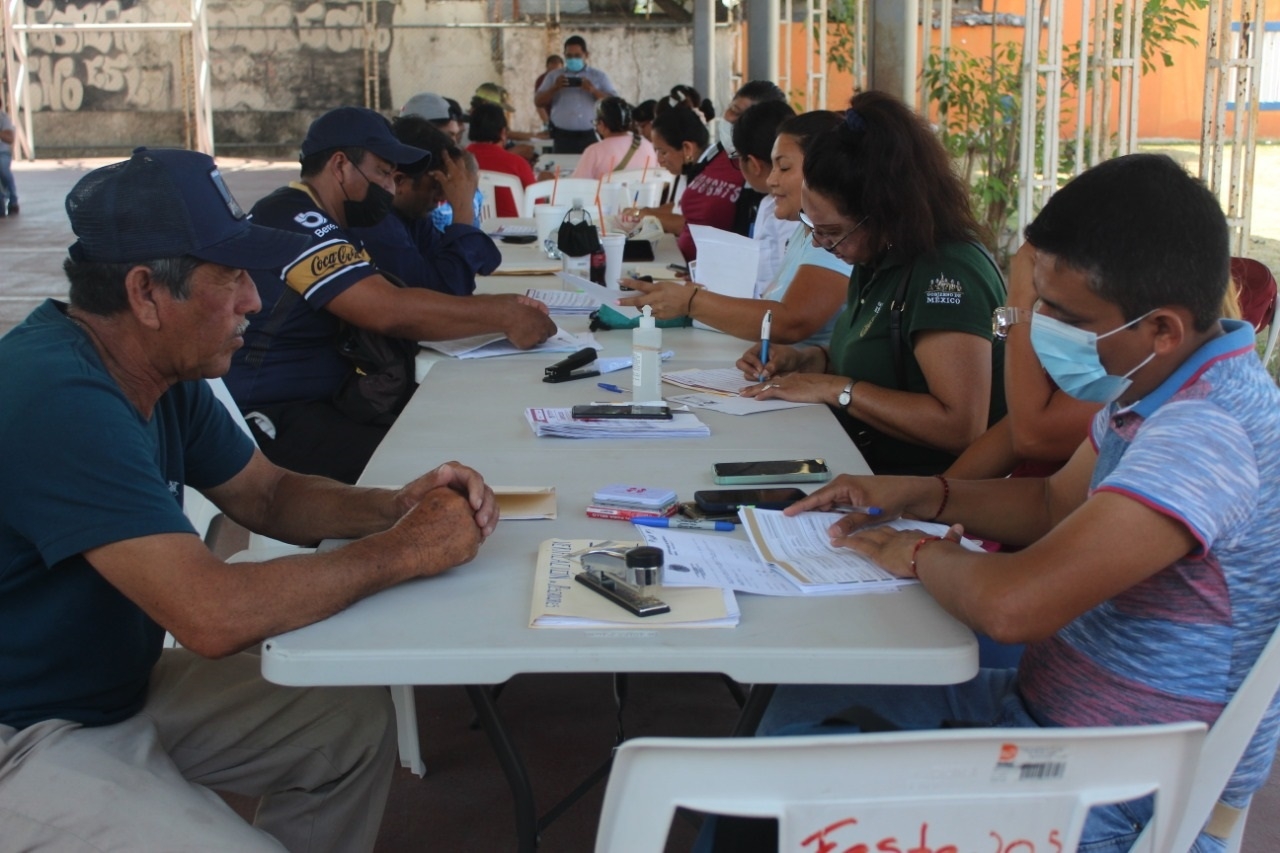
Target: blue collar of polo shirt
{"points": [[1238, 338]]}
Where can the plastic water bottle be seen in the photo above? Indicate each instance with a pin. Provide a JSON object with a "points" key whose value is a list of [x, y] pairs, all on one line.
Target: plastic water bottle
{"points": [[646, 359]]}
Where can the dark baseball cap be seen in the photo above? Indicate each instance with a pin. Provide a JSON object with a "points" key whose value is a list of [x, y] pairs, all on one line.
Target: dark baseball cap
{"points": [[167, 202], [357, 127]]}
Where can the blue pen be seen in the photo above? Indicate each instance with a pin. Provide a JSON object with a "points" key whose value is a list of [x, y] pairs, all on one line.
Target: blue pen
{"points": [[685, 523], [865, 510], [606, 386], [766, 326]]}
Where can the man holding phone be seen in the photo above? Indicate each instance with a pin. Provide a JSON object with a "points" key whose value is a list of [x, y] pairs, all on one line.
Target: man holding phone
{"points": [[570, 94]]}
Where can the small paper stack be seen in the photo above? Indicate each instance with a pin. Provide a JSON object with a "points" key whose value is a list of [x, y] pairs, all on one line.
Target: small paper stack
{"points": [[625, 502], [560, 423]]}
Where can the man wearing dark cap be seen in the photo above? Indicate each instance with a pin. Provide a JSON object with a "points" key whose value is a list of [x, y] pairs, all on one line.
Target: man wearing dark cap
{"points": [[108, 742], [291, 380], [569, 94]]}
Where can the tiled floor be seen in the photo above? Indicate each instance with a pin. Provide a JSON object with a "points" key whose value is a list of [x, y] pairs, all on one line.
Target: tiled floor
{"points": [[565, 725]]}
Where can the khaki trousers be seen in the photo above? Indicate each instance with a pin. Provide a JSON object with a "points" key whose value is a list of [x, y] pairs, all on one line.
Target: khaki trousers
{"points": [[320, 759]]}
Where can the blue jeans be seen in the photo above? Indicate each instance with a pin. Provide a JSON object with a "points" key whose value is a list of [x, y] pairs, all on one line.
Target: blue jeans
{"points": [[990, 699], [7, 186]]}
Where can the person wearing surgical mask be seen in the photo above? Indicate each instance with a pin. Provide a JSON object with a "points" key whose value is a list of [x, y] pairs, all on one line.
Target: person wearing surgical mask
{"points": [[569, 96], [748, 95]]}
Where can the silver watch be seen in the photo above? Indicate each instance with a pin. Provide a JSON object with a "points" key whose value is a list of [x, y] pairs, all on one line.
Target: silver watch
{"points": [[1005, 317], [846, 396]]}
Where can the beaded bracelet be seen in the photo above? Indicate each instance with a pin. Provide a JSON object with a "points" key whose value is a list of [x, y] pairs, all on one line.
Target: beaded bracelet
{"points": [[916, 550], [946, 495]]}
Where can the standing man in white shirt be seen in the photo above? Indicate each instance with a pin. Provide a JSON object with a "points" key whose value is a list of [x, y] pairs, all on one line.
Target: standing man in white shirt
{"points": [[570, 95]]}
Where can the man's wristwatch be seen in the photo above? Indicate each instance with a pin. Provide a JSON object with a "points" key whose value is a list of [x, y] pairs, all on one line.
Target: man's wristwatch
{"points": [[846, 396], [1005, 318]]}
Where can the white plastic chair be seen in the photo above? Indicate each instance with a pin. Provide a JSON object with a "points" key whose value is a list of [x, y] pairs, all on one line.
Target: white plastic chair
{"points": [[977, 789], [489, 181], [1226, 744], [566, 190]]}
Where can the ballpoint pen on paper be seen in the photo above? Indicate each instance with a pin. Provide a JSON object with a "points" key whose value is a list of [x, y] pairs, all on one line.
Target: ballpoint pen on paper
{"points": [[685, 523], [865, 510], [614, 388], [765, 329]]}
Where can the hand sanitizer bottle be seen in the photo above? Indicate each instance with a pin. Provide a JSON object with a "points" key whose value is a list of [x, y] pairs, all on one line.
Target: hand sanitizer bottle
{"points": [[646, 359]]}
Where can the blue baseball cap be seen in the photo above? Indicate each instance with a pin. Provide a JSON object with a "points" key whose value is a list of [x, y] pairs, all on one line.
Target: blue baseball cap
{"points": [[168, 202], [357, 127]]}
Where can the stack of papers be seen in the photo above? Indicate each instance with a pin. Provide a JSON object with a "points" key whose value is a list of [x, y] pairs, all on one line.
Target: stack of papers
{"points": [[561, 602], [559, 423], [508, 230], [625, 502], [800, 548], [785, 557], [564, 301], [486, 346], [719, 380]]}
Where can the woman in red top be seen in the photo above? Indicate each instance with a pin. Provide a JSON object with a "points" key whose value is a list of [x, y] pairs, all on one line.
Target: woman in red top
{"points": [[680, 140]]}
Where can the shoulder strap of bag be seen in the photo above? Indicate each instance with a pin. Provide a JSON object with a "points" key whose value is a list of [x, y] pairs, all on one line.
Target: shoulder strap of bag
{"points": [[631, 152]]}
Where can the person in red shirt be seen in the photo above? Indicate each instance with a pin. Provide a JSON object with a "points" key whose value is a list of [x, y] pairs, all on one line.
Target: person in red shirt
{"points": [[488, 144]]}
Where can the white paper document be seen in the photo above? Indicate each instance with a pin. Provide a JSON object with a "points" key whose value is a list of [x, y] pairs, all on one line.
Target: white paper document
{"points": [[563, 301], [560, 423], [487, 346], [598, 293], [727, 262], [719, 380], [715, 559], [800, 549], [732, 405]]}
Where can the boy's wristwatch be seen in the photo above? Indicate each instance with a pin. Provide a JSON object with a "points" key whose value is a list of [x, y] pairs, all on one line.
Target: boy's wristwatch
{"points": [[1006, 317]]}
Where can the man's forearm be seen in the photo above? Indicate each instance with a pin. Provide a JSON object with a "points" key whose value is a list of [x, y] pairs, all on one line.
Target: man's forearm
{"points": [[304, 509]]}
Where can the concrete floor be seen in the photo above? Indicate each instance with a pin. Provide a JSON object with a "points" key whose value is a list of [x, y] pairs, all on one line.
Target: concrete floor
{"points": [[564, 724]]}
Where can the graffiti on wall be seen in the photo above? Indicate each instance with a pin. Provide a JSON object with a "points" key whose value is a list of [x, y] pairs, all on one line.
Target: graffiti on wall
{"points": [[263, 54]]}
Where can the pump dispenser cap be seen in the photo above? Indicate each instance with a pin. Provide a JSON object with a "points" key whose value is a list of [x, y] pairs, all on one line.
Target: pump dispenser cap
{"points": [[646, 320]]}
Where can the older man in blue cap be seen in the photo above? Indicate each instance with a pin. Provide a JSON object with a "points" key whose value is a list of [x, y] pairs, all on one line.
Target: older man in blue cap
{"points": [[293, 379], [108, 741]]}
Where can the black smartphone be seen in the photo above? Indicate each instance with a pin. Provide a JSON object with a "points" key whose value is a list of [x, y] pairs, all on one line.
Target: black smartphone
{"points": [[728, 500], [520, 238], [573, 81], [637, 250], [771, 471], [625, 410]]}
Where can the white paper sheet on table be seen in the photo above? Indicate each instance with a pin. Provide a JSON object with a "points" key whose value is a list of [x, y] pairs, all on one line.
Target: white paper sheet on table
{"points": [[719, 380], [802, 551], [732, 405], [487, 346], [714, 559], [569, 302], [597, 293]]}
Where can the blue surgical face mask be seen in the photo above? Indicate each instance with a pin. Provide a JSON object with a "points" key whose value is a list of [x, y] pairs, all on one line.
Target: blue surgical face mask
{"points": [[575, 64], [1070, 356]]}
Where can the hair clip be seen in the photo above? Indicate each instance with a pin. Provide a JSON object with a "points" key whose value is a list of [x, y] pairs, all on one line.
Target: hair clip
{"points": [[854, 121]]}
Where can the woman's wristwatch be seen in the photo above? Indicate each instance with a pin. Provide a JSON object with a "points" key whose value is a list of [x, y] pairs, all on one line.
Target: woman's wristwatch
{"points": [[846, 395]]}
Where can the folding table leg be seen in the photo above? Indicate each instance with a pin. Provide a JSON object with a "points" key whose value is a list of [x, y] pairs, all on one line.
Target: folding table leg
{"points": [[512, 766]]}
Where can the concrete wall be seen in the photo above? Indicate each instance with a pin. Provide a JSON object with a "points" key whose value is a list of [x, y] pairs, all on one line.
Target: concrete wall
{"points": [[276, 64]]}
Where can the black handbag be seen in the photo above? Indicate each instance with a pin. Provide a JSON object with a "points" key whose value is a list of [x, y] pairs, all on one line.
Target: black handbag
{"points": [[576, 239]]}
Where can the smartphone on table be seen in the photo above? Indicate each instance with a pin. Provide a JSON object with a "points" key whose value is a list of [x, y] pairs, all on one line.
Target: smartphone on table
{"points": [[728, 500], [771, 471], [628, 411]]}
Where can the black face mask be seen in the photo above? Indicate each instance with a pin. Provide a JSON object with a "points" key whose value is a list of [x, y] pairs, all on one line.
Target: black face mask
{"points": [[371, 210]]}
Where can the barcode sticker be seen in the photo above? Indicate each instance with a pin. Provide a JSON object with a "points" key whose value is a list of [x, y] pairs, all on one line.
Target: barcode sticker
{"points": [[1030, 763]]}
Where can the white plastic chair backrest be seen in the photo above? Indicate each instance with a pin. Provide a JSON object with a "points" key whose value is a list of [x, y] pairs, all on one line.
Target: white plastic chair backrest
{"points": [[256, 540], [489, 181], [567, 190], [638, 176], [1227, 740], [963, 787]]}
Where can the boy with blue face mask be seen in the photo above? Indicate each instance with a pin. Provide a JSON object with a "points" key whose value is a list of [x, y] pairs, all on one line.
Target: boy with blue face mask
{"points": [[1145, 588], [569, 94]]}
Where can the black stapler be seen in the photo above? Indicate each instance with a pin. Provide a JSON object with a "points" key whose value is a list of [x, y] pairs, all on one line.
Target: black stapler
{"points": [[568, 368]]}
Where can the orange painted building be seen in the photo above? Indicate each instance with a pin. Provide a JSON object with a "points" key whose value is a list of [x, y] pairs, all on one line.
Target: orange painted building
{"points": [[1170, 100]]}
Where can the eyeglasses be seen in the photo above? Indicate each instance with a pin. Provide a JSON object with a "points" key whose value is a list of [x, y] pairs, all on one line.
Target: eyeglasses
{"points": [[823, 239]]}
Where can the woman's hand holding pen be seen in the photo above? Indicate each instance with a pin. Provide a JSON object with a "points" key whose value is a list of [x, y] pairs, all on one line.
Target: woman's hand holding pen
{"points": [[796, 387]]}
